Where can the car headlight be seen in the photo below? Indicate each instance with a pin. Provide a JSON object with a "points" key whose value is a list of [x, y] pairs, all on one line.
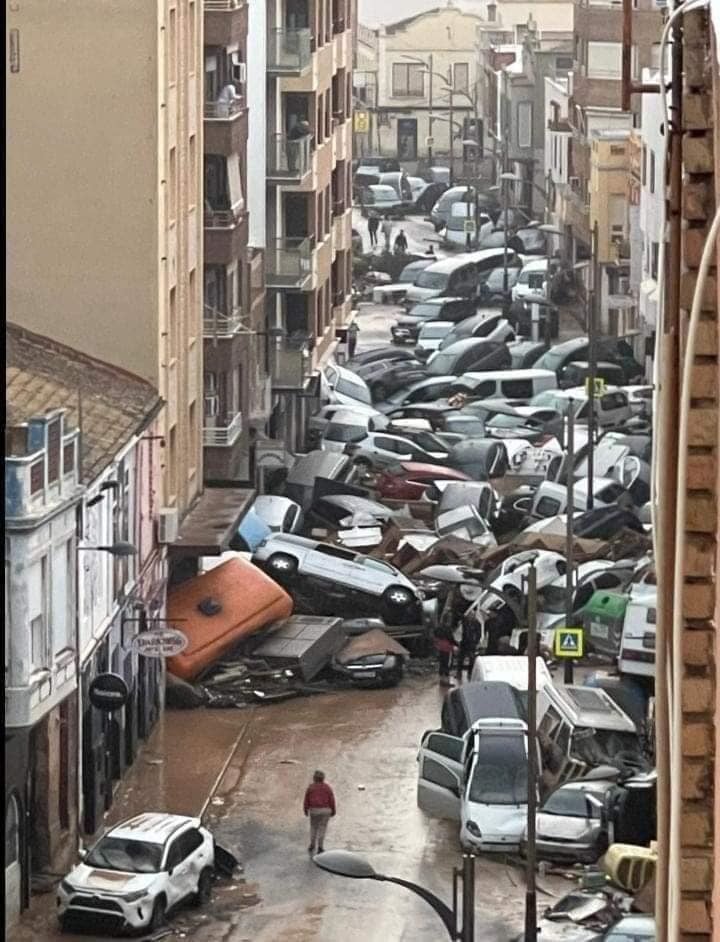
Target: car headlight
{"points": [[473, 829], [133, 897], [67, 887]]}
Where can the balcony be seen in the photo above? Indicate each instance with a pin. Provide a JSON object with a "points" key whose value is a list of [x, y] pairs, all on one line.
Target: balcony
{"points": [[291, 363], [225, 22], [224, 110], [288, 263], [226, 234], [223, 6], [222, 431], [288, 161], [288, 51], [216, 324], [226, 127]]}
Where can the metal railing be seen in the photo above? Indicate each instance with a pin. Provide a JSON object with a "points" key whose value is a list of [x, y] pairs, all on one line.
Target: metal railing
{"points": [[288, 158], [288, 50], [218, 324], [288, 262], [222, 218], [222, 431], [223, 6], [224, 110], [290, 363]]}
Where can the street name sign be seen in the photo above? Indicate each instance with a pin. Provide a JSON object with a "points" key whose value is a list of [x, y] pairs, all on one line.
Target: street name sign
{"points": [[569, 642], [160, 642], [108, 692]]}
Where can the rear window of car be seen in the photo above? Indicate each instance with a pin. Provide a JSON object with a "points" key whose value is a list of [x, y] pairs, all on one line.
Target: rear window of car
{"points": [[547, 507], [517, 388]]}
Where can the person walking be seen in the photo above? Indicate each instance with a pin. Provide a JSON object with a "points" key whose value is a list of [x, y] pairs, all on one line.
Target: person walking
{"points": [[444, 637], [373, 226], [401, 243], [387, 228], [469, 640], [319, 806], [353, 331]]}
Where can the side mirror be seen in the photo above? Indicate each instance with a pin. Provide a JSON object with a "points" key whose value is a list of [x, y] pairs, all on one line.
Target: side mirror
{"points": [[82, 853]]}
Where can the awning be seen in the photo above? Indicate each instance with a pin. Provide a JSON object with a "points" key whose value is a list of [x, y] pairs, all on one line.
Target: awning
{"points": [[211, 523]]}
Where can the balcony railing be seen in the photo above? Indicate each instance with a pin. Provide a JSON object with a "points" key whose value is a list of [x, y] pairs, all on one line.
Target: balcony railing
{"points": [[222, 431], [288, 51], [288, 263], [223, 6], [224, 110], [291, 363], [218, 324], [222, 218], [288, 159]]}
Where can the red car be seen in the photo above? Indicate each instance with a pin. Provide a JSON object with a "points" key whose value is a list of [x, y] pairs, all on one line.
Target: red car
{"points": [[409, 480]]}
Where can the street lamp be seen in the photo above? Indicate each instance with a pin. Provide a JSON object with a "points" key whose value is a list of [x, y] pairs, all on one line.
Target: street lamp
{"points": [[345, 863], [120, 548]]}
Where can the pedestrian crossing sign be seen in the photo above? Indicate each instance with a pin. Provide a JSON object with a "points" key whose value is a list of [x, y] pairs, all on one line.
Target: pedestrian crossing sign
{"points": [[361, 122], [599, 387], [569, 642]]}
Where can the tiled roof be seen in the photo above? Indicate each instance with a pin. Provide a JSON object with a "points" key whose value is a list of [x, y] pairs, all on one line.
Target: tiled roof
{"points": [[107, 403]]}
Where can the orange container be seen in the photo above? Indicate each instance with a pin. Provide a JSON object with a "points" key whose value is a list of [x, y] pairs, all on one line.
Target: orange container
{"points": [[248, 601]]}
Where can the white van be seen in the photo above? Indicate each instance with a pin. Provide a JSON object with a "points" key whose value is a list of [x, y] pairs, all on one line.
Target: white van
{"points": [[517, 386], [637, 646], [532, 280], [612, 408], [510, 668]]}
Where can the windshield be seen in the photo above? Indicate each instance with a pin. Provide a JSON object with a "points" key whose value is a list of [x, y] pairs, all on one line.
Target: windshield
{"points": [[433, 333], [572, 803], [339, 432], [499, 776], [551, 401], [429, 442], [506, 421], [383, 192], [466, 427], [443, 364], [347, 388], [115, 853], [408, 275], [432, 279]]}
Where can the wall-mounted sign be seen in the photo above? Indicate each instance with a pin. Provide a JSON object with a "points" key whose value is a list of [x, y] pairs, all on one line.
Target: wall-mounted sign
{"points": [[361, 122], [160, 642], [108, 692]]}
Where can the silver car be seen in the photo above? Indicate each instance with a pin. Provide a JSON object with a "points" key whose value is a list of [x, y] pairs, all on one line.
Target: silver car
{"points": [[571, 824], [333, 573]]}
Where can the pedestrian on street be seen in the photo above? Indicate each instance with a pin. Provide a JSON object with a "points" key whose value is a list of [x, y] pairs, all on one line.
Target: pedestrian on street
{"points": [[373, 226], [469, 640], [353, 331], [445, 645], [387, 228], [319, 806], [401, 243]]}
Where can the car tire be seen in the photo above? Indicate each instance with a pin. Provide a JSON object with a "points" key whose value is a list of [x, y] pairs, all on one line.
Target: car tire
{"points": [[281, 564], [397, 597], [203, 894], [158, 915], [379, 392]]}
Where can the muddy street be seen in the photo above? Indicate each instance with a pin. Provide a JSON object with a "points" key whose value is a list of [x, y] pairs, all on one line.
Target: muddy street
{"points": [[366, 742]]}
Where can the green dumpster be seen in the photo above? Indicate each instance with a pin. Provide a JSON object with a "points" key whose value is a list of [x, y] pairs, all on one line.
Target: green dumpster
{"points": [[603, 618]]}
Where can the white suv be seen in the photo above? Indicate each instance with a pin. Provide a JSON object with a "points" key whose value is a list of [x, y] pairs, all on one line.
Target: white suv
{"points": [[137, 872]]}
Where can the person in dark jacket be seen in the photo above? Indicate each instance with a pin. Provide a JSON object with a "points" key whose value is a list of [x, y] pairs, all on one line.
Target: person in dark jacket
{"points": [[501, 623], [469, 640], [401, 243], [373, 226], [319, 806]]}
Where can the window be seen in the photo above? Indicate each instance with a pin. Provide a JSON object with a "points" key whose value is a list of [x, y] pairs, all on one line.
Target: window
{"points": [[408, 80], [652, 171], [12, 832], [172, 47], [69, 458], [461, 77], [37, 476], [547, 507], [189, 842], [563, 63], [449, 746], [654, 258], [172, 184], [192, 36], [604, 60], [433, 771], [53, 451], [644, 165], [37, 642], [397, 445], [524, 124], [655, 56], [517, 388]]}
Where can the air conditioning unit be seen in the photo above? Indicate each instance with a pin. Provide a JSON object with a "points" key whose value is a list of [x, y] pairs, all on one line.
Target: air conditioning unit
{"points": [[212, 406], [168, 523], [239, 69]]}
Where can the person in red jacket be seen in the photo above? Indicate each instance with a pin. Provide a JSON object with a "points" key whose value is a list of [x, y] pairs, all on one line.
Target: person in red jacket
{"points": [[319, 805]]}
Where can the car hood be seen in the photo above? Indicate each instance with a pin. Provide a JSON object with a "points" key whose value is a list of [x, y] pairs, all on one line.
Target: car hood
{"points": [[414, 293], [555, 827], [118, 882], [497, 822]]}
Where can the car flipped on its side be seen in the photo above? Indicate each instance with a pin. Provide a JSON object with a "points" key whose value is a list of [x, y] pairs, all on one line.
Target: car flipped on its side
{"points": [[137, 872], [341, 578]]}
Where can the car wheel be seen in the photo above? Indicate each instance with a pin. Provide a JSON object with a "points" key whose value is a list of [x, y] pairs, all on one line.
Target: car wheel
{"points": [[397, 596], [282, 565], [157, 919], [204, 888], [379, 392]]}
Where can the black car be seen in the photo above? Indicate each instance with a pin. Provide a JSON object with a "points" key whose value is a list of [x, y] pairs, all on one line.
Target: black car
{"points": [[386, 352], [525, 353], [386, 376], [407, 327], [469, 355]]}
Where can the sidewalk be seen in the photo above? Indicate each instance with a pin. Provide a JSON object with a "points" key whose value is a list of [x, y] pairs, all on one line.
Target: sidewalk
{"points": [[177, 771]]}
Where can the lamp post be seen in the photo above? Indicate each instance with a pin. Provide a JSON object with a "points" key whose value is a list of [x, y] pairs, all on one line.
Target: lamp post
{"points": [[345, 863], [593, 305]]}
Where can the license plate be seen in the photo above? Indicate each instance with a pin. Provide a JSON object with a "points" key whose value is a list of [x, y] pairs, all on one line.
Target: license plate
{"points": [[363, 674]]}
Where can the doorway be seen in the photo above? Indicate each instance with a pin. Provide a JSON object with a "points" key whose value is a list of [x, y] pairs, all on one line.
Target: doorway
{"points": [[13, 865], [407, 138]]}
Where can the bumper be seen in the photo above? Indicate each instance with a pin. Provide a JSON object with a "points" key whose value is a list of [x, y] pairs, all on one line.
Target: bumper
{"points": [[552, 850], [489, 843], [402, 335], [110, 913]]}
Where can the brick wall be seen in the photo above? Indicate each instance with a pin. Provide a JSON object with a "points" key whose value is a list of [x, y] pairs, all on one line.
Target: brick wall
{"points": [[699, 837]]}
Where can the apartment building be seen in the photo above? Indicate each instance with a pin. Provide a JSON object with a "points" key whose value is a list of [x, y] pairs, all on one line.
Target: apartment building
{"points": [[104, 185], [235, 378], [308, 262], [595, 88]]}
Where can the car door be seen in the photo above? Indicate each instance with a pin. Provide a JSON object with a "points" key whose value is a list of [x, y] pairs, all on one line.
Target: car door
{"points": [[440, 775], [182, 879]]}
